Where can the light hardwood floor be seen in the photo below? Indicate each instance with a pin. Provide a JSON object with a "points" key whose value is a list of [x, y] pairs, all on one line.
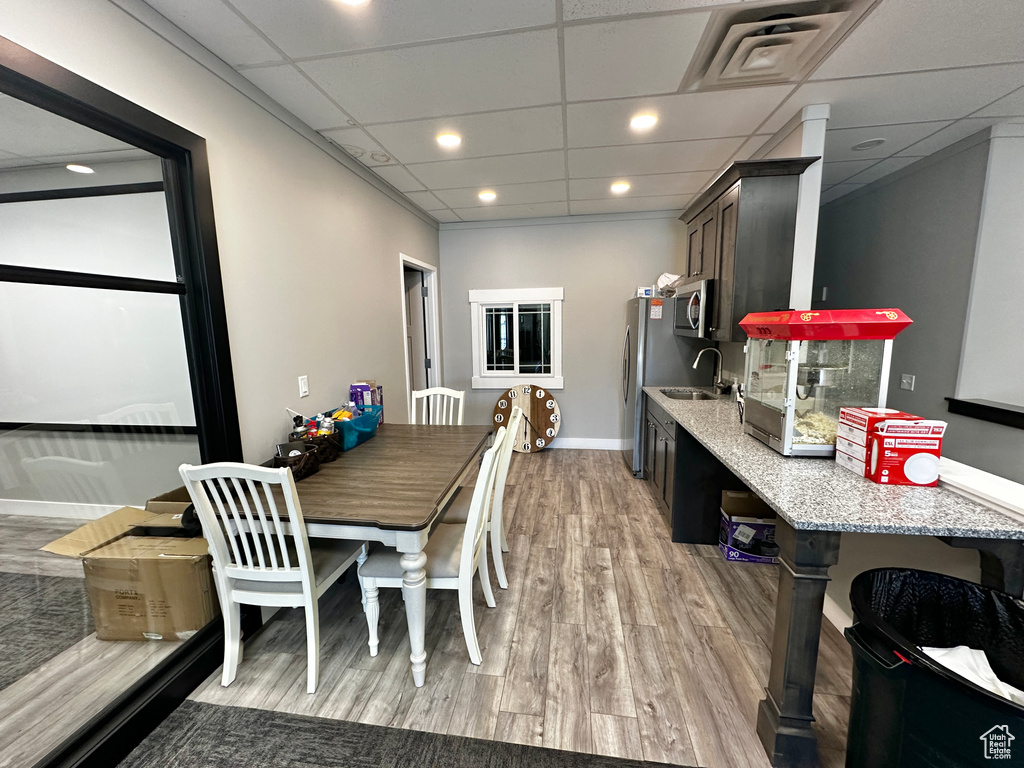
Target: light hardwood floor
{"points": [[610, 638]]}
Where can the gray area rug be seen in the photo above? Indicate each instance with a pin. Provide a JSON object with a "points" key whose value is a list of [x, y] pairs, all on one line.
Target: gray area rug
{"points": [[206, 735], [40, 617]]}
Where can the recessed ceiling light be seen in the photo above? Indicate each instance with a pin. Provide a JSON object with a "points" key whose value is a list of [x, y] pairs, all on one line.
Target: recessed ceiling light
{"points": [[869, 144], [643, 122], [488, 196], [449, 139], [353, 3], [380, 157], [619, 187], [79, 168]]}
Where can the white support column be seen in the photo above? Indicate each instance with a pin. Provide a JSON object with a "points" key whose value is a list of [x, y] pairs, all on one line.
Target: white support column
{"points": [[812, 144]]}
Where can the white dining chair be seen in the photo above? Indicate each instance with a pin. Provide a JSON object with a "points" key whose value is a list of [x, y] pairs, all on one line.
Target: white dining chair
{"points": [[455, 553], [261, 557], [457, 510], [437, 405]]}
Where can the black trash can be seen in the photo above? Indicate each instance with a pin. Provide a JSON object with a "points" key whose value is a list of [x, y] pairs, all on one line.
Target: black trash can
{"points": [[911, 712]]}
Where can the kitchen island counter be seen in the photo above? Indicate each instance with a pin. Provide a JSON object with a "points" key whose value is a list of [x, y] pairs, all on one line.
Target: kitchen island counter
{"points": [[815, 500], [818, 494]]}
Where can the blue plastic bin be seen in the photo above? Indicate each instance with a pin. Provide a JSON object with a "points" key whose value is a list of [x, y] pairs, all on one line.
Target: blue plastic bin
{"points": [[360, 429]]}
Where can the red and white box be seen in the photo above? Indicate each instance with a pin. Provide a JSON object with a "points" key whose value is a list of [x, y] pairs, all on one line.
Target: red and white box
{"points": [[857, 466], [903, 459]]}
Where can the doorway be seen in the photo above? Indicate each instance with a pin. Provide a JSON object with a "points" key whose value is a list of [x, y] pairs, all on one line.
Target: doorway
{"points": [[419, 313]]}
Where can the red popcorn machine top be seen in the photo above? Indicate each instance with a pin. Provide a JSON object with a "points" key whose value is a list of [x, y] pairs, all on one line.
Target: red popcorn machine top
{"points": [[802, 367]]}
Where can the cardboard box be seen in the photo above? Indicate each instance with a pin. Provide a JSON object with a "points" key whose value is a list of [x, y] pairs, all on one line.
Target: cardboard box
{"points": [[853, 434], [141, 588], [150, 588], [867, 418], [747, 532], [172, 502], [855, 465], [904, 460], [855, 450]]}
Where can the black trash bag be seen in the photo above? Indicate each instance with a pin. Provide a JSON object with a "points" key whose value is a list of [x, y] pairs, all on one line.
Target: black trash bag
{"points": [[920, 608]]}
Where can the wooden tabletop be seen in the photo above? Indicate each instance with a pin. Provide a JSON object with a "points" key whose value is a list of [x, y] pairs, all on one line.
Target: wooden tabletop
{"points": [[395, 480]]}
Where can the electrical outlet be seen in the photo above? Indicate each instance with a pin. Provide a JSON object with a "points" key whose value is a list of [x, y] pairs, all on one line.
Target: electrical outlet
{"points": [[303, 386], [907, 381]]}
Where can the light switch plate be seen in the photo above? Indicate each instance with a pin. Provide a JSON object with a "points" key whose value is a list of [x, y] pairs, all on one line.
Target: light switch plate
{"points": [[303, 386], [907, 381]]}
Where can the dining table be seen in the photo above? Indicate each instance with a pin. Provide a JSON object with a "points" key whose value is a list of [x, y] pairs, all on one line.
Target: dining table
{"points": [[392, 489]]}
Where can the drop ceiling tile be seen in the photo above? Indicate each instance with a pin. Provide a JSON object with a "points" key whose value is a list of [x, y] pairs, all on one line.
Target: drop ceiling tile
{"points": [[508, 194], [839, 143], [219, 29], [426, 200], [590, 9], [7, 160], [1011, 105], [680, 117], [485, 74], [904, 98], [316, 27], [445, 216], [907, 35], [360, 146], [640, 186], [498, 212], [880, 169], [287, 86], [493, 133], [490, 171], [632, 57], [677, 156], [399, 178], [630, 204], [961, 129], [834, 193], [837, 172]]}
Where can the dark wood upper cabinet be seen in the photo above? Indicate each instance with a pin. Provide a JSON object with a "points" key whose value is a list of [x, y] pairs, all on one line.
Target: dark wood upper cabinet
{"points": [[740, 232]]}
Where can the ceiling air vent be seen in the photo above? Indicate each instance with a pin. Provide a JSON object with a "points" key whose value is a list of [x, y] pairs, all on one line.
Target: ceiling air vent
{"points": [[780, 43]]}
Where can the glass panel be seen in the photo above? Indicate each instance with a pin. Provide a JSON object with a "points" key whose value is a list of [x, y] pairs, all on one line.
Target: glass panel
{"points": [[498, 333], [833, 375], [767, 372], [535, 338], [92, 358], [124, 235]]}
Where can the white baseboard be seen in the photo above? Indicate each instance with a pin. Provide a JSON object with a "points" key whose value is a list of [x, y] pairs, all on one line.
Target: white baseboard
{"points": [[56, 509], [588, 443], [836, 615]]}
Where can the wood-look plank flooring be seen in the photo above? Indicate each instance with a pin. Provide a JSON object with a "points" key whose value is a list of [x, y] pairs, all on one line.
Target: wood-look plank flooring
{"points": [[610, 638], [50, 703]]}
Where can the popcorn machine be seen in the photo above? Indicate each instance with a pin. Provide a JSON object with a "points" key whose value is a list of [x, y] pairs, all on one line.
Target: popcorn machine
{"points": [[802, 367]]}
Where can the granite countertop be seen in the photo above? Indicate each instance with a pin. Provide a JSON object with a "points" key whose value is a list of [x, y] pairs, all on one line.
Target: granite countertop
{"points": [[818, 494]]}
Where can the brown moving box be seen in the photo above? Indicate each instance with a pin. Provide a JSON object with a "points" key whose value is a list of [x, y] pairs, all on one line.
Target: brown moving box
{"points": [[171, 503], [150, 588], [142, 588]]}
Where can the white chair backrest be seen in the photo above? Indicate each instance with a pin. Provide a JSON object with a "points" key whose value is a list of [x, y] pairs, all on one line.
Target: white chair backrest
{"points": [[476, 520], [515, 420], [248, 537], [437, 405]]}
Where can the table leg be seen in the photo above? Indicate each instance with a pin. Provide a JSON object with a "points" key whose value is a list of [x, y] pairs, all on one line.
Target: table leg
{"points": [[784, 717], [414, 590]]}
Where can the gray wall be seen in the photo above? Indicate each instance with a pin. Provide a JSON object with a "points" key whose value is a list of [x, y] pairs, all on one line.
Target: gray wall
{"points": [[910, 243], [599, 261]]}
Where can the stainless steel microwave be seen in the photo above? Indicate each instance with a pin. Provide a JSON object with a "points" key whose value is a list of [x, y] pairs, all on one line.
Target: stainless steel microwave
{"points": [[693, 309]]}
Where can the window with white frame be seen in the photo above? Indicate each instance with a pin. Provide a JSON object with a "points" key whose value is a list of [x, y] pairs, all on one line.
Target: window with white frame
{"points": [[517, 337]]}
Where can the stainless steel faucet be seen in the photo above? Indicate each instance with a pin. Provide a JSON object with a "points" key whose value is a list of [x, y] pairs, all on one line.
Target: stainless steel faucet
{"points": [[718, 384]]}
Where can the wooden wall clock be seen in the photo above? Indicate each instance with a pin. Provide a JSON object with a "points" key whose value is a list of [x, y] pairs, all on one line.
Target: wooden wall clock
{"points": [[541, 416]]}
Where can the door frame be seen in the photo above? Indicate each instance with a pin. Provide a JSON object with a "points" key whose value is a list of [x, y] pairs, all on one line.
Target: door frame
{"points": [[430, 318]]}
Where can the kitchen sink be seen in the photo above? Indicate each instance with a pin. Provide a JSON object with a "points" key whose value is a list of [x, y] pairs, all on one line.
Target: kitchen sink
{"points": [[688, 394]]}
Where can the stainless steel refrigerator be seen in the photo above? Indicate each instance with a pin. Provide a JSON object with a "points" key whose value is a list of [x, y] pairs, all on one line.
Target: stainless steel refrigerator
{"points": [[652, 355]]}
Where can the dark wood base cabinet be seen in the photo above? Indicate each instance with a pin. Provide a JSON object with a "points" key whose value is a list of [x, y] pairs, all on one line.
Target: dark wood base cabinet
{"points": [[685, 478]]}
